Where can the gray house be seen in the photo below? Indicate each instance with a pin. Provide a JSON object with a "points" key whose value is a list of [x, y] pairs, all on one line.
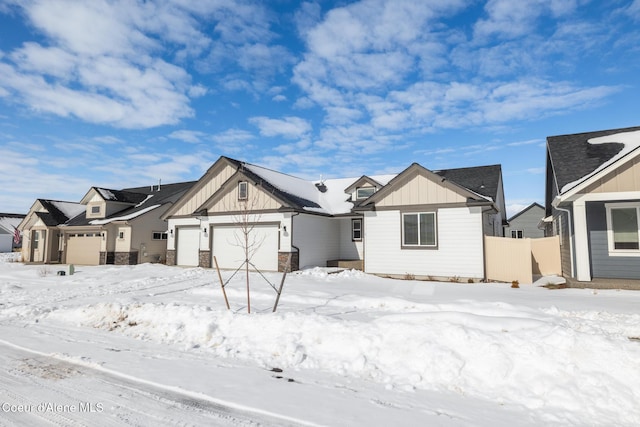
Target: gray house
{"points": [[593, 202], [8, 225], [525, 223]]}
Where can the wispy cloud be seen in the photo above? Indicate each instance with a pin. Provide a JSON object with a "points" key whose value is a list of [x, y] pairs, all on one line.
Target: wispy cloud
{"points": [[192, 136], [287, 127]]}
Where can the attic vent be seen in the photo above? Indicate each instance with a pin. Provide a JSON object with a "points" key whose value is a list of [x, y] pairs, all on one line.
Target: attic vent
{"points": [[321, 187]]}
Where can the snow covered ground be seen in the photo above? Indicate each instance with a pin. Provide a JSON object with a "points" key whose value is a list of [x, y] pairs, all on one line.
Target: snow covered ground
{"points": [[153, 345]]}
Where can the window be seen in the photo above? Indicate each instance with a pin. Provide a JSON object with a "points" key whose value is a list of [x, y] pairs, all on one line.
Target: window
{"points": [[623, 228], [95, 209], [243, 188], [364, 192], [159, 235], [36, 237], [356, 230], [516, 234], [121, 235], [419, 229]]}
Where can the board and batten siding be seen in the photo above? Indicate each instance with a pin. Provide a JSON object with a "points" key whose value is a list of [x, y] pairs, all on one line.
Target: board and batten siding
{"points": [[257, 199], [317, 237], [459, 253], [205, 192], [603, 265], [419, 189], [622, 179]]}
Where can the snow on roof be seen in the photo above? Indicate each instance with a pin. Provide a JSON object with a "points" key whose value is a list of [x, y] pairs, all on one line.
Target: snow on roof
{"points": [[334, 201], [9, 223], [69, 209], [106, 194], [124, 217], [631, 141]]}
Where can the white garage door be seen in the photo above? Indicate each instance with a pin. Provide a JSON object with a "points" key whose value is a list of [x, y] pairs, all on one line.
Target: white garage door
{"points": [[83, 249], [230, 253], [188, 249]]}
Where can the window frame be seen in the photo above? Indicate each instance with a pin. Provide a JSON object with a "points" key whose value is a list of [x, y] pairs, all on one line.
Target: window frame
{"points": [[163, 235], [95, 210], [353, 229], [242, 184], [359, 197], [418, 245], [519, 234], [610, 235]]}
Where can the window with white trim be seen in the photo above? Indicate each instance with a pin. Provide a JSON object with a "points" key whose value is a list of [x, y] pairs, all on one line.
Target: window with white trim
{"points": [[95, 209], [243, 190], [364, 192], [419, 230], [356, 230], [517, 234], [623, 229]]}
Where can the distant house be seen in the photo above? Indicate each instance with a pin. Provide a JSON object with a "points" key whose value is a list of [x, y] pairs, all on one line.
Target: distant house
{"points": [[8, 225], [419, 222], [525, 223], [593, 202], [105, 227]]}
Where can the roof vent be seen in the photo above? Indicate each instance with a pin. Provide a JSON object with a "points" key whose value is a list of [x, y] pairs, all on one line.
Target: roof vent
{"points": [[321, 187]]}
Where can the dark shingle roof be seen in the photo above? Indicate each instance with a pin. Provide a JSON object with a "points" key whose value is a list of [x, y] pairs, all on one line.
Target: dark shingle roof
{"points": [[483, 180], [147, 196], [573, 158], [54, 216]]}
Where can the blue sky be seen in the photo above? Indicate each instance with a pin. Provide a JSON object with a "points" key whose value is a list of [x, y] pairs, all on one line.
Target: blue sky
{"points": [[123, 93]]}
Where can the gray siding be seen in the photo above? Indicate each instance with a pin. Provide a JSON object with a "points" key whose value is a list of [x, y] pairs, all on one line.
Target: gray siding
{"points": [[603, 265], [527, 222]]}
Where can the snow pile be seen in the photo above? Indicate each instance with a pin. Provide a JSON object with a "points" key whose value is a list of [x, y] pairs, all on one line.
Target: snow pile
{"points": [[505, 353], [10, 257]]}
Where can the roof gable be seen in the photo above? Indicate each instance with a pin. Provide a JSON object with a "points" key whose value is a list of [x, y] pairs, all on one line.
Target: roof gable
{"points": [[418, 185], [574, 158], [527, 209]]}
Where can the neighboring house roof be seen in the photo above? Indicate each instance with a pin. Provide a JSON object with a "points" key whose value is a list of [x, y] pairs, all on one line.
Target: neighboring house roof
{"points": [[58, 212], [574, 158], [9, 222], [528, 208], [483, 180], [147, 199]]}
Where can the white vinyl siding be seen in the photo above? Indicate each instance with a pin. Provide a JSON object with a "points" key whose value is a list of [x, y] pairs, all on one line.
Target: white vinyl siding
{"points": [[318, 239], [459, 252]]}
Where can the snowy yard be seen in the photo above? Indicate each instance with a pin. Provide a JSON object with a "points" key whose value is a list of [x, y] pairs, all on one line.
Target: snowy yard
{"points": [[343, 349]]}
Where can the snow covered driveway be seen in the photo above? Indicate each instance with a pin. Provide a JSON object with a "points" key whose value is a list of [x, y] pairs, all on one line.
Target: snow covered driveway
{"points": [[344, 349]]}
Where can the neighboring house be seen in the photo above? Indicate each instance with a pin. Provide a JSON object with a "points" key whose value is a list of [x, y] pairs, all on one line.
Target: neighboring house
{"points": [[593, 202], [420, 222], [8, 225], [525, 223], [105, 227]]}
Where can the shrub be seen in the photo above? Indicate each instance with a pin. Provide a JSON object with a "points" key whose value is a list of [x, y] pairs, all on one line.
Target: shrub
{"points": [[515, 284], [409, 276]]}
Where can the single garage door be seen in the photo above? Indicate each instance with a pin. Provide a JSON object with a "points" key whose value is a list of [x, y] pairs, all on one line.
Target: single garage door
{"points": [[230, 253], [188, 246], [83, 248]]}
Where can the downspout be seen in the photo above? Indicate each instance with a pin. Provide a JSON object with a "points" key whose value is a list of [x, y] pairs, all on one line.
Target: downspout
{"points": [[292, 245], [570, 221]]}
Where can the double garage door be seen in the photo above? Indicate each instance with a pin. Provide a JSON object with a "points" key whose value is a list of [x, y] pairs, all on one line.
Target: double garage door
{"points": [[83, 249], [228, 247]]}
